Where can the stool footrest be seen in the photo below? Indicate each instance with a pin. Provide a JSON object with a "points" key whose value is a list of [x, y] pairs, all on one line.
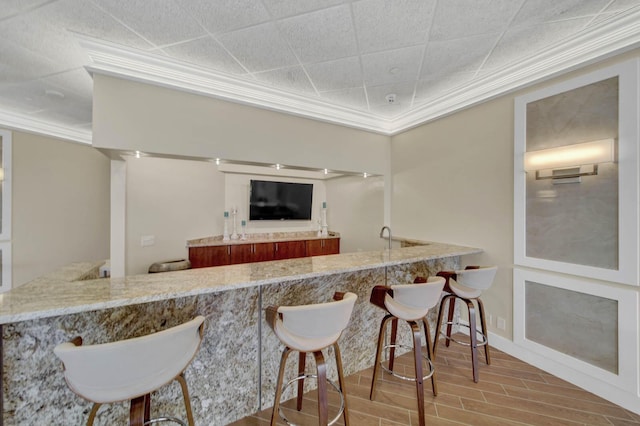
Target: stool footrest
{"points": [[165, 419], [313, 376], [400, 376], [482, 341]]}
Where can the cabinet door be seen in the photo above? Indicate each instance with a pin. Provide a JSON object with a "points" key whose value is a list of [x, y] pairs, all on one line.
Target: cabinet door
{"points": [[331, 246], [314, 247], [241, 253], [263, 252], [202, 257], [289, 250]]}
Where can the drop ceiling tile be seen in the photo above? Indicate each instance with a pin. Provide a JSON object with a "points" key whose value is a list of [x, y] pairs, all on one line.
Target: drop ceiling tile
{"points": [[33, 96], [69, 114], [322, 35], [161, 22], [538, 11], [205, 52], [14, 7], [620, 5], [430, 88], [354, 97], [283, 8], [384, 25], [335, 75], [259, 48], [445, 57], [392, 66], [522, 42], [464, 18], [77, 81], [287, 79], [226, 15], [19, 63], [82, 17]]}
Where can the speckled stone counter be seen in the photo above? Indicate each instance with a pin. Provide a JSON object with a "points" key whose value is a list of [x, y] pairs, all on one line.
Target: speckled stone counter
{"points": [[233, 374]]}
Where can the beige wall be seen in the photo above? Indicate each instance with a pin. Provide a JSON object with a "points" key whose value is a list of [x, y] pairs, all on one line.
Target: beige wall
{"points": [[173, 201], [355, 208], [60, 209], [134, 116], [453, 182]]}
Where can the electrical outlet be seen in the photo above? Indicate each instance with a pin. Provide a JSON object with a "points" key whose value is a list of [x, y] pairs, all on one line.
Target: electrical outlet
{"points": [[502, 324], [147, 240]]}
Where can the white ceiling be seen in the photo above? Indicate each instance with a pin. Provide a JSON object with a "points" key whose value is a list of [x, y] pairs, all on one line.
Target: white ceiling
{"points": [[328, 59]]}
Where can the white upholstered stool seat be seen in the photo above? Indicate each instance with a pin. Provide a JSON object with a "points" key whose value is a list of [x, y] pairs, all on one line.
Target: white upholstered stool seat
{"points": [[131, 369], [466, 285], [312, 328], [411, 303]]}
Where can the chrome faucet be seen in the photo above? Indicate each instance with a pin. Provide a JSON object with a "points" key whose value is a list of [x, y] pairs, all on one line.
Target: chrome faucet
{"points": [[382, 234]]}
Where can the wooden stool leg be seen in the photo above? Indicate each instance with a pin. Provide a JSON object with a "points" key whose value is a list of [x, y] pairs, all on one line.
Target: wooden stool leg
{"points": [[345, 413], [392, 341], [92, 414], [473, 335], [483, 324], [427, 336], [376, 365], [185, 396], [302, 363], [436, 337], [139, 410], [323, 402], [452, 310], [417, 356], [276, 402]]}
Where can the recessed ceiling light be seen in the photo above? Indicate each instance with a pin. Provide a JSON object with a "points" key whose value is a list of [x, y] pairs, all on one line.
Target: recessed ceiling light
{"points": [[365, 175], [137, 154], [217, 161], [391, 98], [278, 166], [326, 171]]}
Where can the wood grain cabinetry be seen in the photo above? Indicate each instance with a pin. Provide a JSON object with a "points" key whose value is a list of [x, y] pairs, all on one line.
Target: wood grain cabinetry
{"points": [[290, 250], [323, 247], [256, 252], [231, 254], [201, 257]]}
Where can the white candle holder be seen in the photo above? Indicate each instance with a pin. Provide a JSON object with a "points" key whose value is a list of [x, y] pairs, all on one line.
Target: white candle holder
{"points": [[234, 234]]}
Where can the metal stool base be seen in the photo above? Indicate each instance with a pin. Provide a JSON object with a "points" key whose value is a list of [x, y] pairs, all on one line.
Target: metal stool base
{"points": [[400, 376], [165, 419], [313, 376], [482, 339]]}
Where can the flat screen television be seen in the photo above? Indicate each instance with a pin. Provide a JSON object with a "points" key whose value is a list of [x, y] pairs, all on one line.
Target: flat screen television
{"points": [[280, 200]]}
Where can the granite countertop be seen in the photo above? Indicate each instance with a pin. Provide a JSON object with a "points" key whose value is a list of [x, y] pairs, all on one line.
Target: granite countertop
{"points": [[272, 237], [64, 292]]}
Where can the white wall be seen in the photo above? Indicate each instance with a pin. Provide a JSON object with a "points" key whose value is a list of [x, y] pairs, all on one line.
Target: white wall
{"points": [[60, 205]]}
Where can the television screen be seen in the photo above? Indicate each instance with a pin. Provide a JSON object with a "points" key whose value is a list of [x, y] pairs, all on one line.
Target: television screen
{"points": [[280, 200]]}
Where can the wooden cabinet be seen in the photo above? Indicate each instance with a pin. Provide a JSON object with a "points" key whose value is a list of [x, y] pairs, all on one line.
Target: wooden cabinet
{"points": [[202, 257], [231, 254], [256, 252], [323, 246], [290, 249]]}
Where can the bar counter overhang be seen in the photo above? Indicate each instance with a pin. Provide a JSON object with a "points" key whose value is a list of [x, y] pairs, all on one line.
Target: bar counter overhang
{"points": [[234, 373]]}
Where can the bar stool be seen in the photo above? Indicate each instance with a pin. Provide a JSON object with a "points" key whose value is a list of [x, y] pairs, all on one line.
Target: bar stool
{"points": [[312, 328], [411, 303], [467, 285], [132, 369]]}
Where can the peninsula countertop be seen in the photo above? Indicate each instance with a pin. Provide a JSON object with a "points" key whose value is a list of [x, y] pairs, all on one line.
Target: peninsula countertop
{"points": [[66, 293]]}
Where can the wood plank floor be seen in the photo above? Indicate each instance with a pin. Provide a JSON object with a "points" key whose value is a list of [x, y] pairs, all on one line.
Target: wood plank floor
{"points": [[510, 392]]}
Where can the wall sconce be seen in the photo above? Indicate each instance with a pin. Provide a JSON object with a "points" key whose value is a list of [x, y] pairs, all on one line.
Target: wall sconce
{"points": [[568, 161]]}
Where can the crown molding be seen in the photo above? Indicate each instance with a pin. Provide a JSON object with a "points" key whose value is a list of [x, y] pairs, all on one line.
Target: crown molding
{"points": [[118, 61], [29, 124], [606, 39]]}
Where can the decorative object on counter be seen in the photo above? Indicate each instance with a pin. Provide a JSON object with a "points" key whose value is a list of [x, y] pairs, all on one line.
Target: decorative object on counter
{"points": [[466, 285], [411, 303], [234, 214], [225, 234], [170, 265], [244, 226], [323, 225], [117, 371], [319, 228], [310, 329]]}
